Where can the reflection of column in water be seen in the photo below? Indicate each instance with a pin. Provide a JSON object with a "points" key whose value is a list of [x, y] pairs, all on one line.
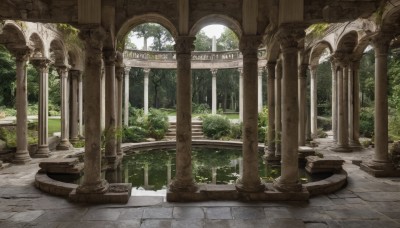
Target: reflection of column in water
{"points": [[214, 175], [240, 166], [169, 171], [126, 174], [146, 175]]}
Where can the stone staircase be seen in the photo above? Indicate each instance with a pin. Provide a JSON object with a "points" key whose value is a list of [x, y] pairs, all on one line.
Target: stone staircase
{"points": [[197, 130]]}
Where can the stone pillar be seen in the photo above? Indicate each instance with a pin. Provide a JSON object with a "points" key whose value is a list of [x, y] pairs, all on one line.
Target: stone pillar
{"points": [[92, 181], [302, 103], [126, 97], [80, 104], [214, 91], [119, 72], [289, 179], [334, 101], [146, 90], [42, 66], [250, 181], [350, 85], [103, 100], [313, 101], [260, 98], [278, 107], [21, 57], [64, 84], [75, 77], [355, 143], [110, 106], [270, 149], [183, 181], [240, 94]]}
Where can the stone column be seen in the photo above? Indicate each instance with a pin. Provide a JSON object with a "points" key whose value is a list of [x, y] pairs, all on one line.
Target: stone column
{"points": [[42, 66], [75, 77], [260, 98], [92, 181], [110, 106], [214, 91], [103, 99], [64, 84], [240, 94], [278, 107], [119, 71], [356, 106], [183, 181], [334, 101], [289, 179], [302, 103], [126, 97], [21, 57], [146, 90], [313, 101], [80, 104], [250, 181], [270, 150], [350, 85]]}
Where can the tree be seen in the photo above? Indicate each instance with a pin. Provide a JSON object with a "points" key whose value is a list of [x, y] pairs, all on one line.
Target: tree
{"points": [[202, 42], [227, 41], [7, 77]]}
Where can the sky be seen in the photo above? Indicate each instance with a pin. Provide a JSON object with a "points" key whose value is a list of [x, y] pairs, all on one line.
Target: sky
{"points": [[210, 30]]}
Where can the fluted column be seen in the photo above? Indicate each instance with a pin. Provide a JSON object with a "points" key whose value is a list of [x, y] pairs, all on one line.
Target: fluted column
{"points": [[110, 105], [214, 91], [64, 84], [289, 179], [183, 181], [126, 97], [92, 181], [146, 90], [314, 101], [240, 94], [302, 103], [42, 66], [260, 98], [355, 143], [334, 101], [250, 181], [278, 107], [74, 77], [21, 58], [271, 109]]}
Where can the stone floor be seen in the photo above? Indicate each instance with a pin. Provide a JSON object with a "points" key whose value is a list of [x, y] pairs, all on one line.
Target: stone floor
{"points": [[365, 202]]}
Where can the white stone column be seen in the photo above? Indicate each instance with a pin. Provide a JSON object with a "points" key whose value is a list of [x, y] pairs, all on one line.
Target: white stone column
{"points": [[126, 97], [314, 101], [110, 106], [270, 149], [240, 94], [74, 76], [146, 90], [21, 58], [64, 84], [92, 181], [214, 91], [289, 179], [356, 106], [350, 84], [302, 103], [80, 104], [119, 74], [183, 181], [103, 99], [278, 107], [260, 97], [42, 66], [334, 101], [250, 181]]}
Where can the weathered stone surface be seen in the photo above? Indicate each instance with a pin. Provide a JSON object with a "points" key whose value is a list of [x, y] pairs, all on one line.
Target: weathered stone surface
{"points": [[325, 164], [62, 166], [117, 193]]}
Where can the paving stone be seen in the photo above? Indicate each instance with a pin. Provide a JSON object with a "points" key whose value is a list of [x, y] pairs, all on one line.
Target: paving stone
{"points": [[354, 201], [309, 214], [252, 223], [26, 216], [277, 212], [287, 223], [218, 223], [391, 214], [6, 215], [9, 224], [385, 206], [380, 196], [156, 223], [131, 213], [218, 213], [134, 223], [316, 225], [65, 215], [369, 224], [188, 213], [248, 213], [185, 223], [320, 201], [104, 214], [159, 213], [355, 213], [88, 224]]}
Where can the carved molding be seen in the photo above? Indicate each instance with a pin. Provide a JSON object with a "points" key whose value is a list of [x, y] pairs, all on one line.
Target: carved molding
{"points": [[249, 45], [93, 38], [41, 64], [289, 35], [110, 57], [184, 44], [21, 54]]}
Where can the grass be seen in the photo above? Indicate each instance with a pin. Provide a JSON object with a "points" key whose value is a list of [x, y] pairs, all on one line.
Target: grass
{"points": [[54, 126]]}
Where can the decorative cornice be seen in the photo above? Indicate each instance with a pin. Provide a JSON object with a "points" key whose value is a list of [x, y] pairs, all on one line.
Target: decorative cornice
{"points": [[289, 35]]}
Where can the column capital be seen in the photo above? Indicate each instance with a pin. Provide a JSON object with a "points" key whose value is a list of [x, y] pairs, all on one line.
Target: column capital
{"points": [[127, 70], [312, 67], [214, 72], [146, 71], [303, 70], [381, 43], [119, 73], [288, 36], [93, 36], [184, 44], [110, 57], [249, 44], [41, 64], [21, 53], [62, 71], [240, 70], [355, 64], [341, 58], [75, 74]]}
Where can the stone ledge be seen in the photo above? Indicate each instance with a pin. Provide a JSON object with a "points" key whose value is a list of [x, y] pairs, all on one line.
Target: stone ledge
{"points": [[53, 187], [328, 185], [380, 173], [327, 164], [117, 193], [62, 165]]}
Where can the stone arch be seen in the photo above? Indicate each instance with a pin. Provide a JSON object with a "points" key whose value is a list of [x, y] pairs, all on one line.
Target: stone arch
{"points": [[146, 18], [390, 15], [317, 50], [348, 42], [36, 42], [12, 35], [57, 52], [75, 59], [216, 19]]}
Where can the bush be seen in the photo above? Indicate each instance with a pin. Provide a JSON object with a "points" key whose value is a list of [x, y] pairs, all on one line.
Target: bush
{"points": [[157, 124], [321, 133], [133, 134], [216, 126], [236, 131], [136, 117], [201, 108], [10, 137], [324, 122], [367, 122], [394, 125], [262, 125]]}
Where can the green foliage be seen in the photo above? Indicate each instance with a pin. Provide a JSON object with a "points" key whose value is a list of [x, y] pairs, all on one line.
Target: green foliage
{"points": [[321, 133], [262, 125], [317, 30], [200, 108], [157, 124], [7, 73], [136, 116], [78, 144], [133, 134], [216, 126], [367, 122], [394, 125], [202, 42], [9, 135], [227, 41], [236, 130], [325, 123], [70, 36]]}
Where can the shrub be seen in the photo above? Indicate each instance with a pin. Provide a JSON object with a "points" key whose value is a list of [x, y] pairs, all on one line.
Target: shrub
{"points": [[394, 125], [321, 133], [157, 124], [367, 122], [136, 116], [262, 124], [10, 137], [324, 122], [236, 131], [216, 126], [133, 134], [201, 108]]}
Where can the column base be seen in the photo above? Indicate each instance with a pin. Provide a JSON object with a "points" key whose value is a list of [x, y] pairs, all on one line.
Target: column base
{"points": [[113, 162], [42, 152], [64, 145], [342, 149], [257, 187], [115, 193], [181, 186], [21, 157], [287, 187], [356, 145], [272, 158], [74, 139], [100, 186], [380, 169]]}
